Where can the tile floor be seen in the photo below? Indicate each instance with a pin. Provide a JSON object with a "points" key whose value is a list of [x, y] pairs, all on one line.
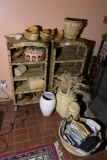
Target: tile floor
{"points": [[36, 130]]}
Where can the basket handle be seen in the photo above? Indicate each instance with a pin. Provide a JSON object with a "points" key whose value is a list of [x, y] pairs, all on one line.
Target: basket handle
{"points": [[68, 119]]}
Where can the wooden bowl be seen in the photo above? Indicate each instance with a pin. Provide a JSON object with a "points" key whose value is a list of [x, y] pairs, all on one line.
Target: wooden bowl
{"points": [[31, 36], [46, 36], [18, 52], [59, 36]]}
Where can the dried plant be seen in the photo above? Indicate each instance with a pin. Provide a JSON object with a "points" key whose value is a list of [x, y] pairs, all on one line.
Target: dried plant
{"points": [[73, 83]]}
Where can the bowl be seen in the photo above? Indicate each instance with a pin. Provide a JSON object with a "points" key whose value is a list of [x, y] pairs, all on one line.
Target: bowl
{"points": [[46, 36], [18, 52], [59, 36], [31, 36]]}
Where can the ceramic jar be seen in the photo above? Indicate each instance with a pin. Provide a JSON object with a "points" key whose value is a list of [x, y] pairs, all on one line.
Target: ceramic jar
{"points": [[47, 103]]}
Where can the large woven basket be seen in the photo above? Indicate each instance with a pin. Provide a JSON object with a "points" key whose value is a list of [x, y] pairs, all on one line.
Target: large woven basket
{"points": [[63, 101], [68, 146], [71, 28]]}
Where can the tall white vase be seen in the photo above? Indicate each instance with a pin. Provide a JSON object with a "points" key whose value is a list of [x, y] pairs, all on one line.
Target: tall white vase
{"points": [[47, 103]]}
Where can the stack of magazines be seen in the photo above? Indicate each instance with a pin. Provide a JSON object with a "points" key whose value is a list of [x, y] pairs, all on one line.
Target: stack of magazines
{"points": [[83, 135]]}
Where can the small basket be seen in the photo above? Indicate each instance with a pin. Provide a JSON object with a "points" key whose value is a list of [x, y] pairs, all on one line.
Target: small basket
{"points": [[33, 53], [63, 101], [71, 148], [31, 36]]}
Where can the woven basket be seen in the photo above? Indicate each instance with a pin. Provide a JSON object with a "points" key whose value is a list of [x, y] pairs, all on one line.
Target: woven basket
{"points": [[71, 28], [63, 101], [68, 146]]}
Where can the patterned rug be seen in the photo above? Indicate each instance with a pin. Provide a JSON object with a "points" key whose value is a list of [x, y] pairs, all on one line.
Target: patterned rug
{"points": [[47, 152]]}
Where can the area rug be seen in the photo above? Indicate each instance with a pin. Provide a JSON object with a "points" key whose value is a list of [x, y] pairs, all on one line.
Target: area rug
{"points": [[46, 152]]}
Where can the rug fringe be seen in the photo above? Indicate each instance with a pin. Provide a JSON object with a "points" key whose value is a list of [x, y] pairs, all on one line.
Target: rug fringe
{"points": [[59, 151]]}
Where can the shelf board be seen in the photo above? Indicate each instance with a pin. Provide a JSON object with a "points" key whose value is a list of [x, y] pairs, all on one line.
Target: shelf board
{"points": [[70, 56], [24, 102], [24, 88], [74, 70], [31, 73], [22, 60]]}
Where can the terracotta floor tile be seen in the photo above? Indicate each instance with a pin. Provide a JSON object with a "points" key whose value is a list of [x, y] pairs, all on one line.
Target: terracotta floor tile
{"points": [[56, 119], [53, 138], [66, 154], [41, 119], [25, 145], [32, 123], [18, 147], [20, 131], [47, 140], [32, 118], [9, 115], [48, 132], [11, 148], [56, 127], [46, 126], [47, 120], [36, 130], [32, 142], [101, 156], [39, 142], [21, 138], [10, 137], [31, 133]]}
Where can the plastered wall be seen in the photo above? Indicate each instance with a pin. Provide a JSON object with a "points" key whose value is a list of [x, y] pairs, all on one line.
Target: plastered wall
{"points": [[17, 15]]}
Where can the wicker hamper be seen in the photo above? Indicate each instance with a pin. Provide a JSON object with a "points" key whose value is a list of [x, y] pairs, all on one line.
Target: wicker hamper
{"points": [[63, 101], [71, 148]]}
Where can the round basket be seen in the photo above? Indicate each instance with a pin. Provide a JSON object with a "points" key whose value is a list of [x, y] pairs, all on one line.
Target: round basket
{"points": [[31, 36], [71, 28], [34, 53], [68, 146]]}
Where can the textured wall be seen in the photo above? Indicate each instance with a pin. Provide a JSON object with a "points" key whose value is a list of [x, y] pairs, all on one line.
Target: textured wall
{"points": [[17, 15]]}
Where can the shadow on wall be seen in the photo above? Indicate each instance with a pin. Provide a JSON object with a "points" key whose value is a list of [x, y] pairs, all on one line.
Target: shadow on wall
{"points": [[73, 28]]}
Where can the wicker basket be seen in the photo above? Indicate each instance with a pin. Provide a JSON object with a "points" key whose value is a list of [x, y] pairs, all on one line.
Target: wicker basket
{"points": [[63, 101], [71, 148], [71, 28], [31, 36]]}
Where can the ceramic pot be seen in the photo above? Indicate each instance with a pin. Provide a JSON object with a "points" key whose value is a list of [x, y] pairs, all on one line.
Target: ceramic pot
{"points": [[47, 103]]}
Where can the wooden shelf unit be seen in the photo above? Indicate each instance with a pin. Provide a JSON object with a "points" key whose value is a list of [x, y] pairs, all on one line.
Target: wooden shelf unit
{"points": [[67, 55], [35, 69]]}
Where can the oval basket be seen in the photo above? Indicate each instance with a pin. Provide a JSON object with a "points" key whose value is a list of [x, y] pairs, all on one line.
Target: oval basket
{"points": [[71, 148]]}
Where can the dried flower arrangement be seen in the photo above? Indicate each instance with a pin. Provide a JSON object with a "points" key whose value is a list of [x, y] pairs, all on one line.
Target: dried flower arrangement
{"points": [[72, 83], [68, 88]]}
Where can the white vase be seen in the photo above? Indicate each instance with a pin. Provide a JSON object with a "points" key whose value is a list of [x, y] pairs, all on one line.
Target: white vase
{"points": [[47, 103]]}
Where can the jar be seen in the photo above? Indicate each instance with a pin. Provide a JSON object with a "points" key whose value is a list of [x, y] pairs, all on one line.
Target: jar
{"points": [[47, 103]]}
